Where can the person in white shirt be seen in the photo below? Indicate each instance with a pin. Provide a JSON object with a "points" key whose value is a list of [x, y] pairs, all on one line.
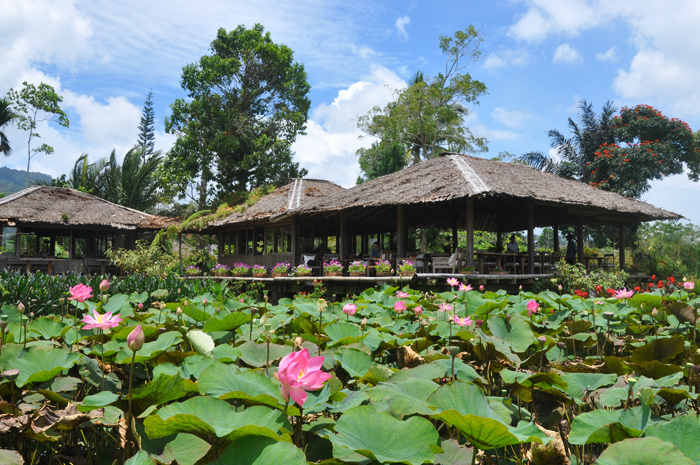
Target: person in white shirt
{"points": [[512, 245]]}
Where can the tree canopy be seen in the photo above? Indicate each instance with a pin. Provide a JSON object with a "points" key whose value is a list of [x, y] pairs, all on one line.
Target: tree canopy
{"points": [[7, 116], [427, 117], [621, 153], [247, 102], [146, 128]]}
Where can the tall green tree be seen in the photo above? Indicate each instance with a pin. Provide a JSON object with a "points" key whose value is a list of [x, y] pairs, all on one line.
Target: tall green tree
{"points": [[621, 153], [427, 117], [146, 128], [247, 102], [7, 116], [380, 160], [35, 105]]}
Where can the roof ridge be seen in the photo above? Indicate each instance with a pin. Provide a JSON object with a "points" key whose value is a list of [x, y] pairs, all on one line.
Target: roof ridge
{"points": [[19, 194], [469, 174]]}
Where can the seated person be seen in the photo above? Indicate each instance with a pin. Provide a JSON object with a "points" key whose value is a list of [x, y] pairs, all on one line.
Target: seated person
{"points": [[375, 252], [512, 245]]}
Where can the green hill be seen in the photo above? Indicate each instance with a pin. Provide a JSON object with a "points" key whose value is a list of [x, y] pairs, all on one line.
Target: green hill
{"points": [[13, 180]]}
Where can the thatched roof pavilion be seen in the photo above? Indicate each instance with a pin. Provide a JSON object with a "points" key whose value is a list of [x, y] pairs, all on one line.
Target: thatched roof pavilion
{"points": [[68, 227], [477, 193], [250, 237]]}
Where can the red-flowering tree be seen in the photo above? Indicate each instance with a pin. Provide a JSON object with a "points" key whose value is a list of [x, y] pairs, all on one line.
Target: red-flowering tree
{"points": [[648, 146]]}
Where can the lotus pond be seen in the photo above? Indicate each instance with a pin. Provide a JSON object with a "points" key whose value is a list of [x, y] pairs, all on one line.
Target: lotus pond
{"points": [[390, 376]]}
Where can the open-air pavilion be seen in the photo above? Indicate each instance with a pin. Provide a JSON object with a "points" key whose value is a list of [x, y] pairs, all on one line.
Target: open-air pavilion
{"points": [[470, 193], [57, 229]]}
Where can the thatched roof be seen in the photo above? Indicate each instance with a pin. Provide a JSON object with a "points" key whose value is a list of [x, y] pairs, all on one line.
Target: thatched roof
{"points": [[499, 189], [63, 207], [286, 199]]}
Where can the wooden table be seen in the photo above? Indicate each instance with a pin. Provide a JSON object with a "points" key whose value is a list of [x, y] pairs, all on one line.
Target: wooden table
{"points": [[27, 261], [587, 262], [501, 259]]}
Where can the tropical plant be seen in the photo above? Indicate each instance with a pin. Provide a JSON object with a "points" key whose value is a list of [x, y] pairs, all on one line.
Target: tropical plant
{"points": [[7, 116], [146, 129]]}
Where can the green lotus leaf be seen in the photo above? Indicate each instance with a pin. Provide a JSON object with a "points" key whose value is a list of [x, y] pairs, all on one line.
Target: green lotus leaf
{"points": [[141, 458], [353, 399], [228, 322], [515, 333], [646, 451], [338, 331], [609, 426], [151, 349], [487, 433], [99, 400], [463, 397], [37, 366], [91, 372], [256, 355], [661, 349], [675, 396], [201, 342], [117, 303], [578, 384], [216, 421], [110, 348], [463, 370], [261, 450], [354, 361], [180, 448], [454, 454], [682, 432], [405, 397], [427, 372], [226, 353], [47, 328], [655, 369], [10, 457], [159, 391], [383, 438]]}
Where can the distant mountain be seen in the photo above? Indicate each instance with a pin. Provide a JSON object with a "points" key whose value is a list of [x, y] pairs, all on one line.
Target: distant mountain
{"points": [[14, 180]]}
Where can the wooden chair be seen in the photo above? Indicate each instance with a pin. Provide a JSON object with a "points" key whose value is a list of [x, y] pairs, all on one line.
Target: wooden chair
{"points": [[306, 258], [608, 262], [443, 265]]}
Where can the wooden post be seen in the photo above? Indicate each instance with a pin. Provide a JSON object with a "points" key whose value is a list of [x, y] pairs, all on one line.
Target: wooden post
{"points": [[295, 242], [400, 232], [579, 238], [530, 238], [343, 236], [470, 230], [499, 241], [455, 239], [621, 240], [179, 252], [555, 233]]}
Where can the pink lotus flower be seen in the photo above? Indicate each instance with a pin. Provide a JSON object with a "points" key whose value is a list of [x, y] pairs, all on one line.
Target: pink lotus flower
{"points": [[402, 294], [298, 373], [689, 285], [103, 322], [135, 339], [400, 306], [452, 281], [462, 321], [462, 287], [624, 293], [418, 311], [481, 288], [104, 285], [80, 292], [140, 306], [445, 307], [532, 307], [350, 309]]}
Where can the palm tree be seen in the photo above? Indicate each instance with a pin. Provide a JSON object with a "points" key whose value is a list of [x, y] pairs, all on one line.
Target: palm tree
{"points": [[7, 116], [577, 152]]}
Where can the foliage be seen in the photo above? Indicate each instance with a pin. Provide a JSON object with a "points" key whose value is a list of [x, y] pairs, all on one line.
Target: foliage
{"points": [[7, 116], [12, 180], [34, 105], [380, 160], [621, 153], [427, 117], [148, 259], [605, 378], [574, 278], [146, 128], [668, 249], [247, 102]]}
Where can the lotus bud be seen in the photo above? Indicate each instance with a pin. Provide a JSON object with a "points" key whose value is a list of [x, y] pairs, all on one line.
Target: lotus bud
{"points": [[418, 311], [178, 290], [178, 312], [521, 288], [20, 307], [31, 316], [140, 306], [10, 375], [608, 315], [104, 298], [363, 323], [655, 312], [564, 424], [481, 288], [135, 339], [253, 310], [104, 285], [217, 310], [204, 301], [542, 340], [561, 345], [560, 287], [479, 323], [696, 369]]}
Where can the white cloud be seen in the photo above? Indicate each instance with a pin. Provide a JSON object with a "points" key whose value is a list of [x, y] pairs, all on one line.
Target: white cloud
{"points": [[611, 55], [675, 193], [565, 53], [401, 24], [506, 57], [332, 137], [512, 118]]}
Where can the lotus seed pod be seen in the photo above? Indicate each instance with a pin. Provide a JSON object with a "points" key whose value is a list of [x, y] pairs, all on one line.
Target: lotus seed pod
{"points": [[10, 375], [542, 340], [297, 342], [479, 323], [561, 345], [608, 315], [696, 369]]}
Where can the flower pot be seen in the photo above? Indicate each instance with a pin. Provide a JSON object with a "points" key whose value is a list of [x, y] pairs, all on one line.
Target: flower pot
{"points": [[303, 275], [194, 274], [334, 273], [383, 274], [259, 275], [357, 273], [407, 273], [280, 275], [468, 272], [499, 272], [240, 275]]}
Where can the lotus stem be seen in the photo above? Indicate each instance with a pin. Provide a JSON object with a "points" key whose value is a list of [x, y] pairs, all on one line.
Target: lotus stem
{"points": [[102, 357], [131, 383]]}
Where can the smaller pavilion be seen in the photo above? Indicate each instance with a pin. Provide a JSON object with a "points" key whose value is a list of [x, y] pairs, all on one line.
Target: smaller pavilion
{"points": [[57, 229]]}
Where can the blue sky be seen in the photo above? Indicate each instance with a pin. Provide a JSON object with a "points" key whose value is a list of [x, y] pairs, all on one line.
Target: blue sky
{"points": [[540, 58]]}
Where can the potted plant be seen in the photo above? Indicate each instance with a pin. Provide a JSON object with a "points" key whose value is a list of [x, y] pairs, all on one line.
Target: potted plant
{"points": [[302, 270], [193, 270], [469, 269], [407, 268], [383, 268], [280, 270], [334, 268], [498, 270], [240, 270], [220, 270], [357, 268], [259, 271]]}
